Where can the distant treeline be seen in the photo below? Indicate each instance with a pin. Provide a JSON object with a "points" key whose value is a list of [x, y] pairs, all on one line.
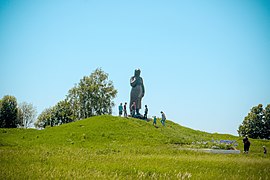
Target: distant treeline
{"points": [[13, 115], [92, 96]]}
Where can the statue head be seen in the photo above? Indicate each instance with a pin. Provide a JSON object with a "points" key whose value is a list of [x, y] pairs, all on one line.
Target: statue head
{"points": [[137, 72]]}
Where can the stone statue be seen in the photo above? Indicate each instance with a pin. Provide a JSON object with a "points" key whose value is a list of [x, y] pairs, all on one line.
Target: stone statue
{"points": [[137, 92]]}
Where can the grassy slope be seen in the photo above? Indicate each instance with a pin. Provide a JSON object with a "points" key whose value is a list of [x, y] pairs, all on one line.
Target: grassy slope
{"points": [[112, 147]]}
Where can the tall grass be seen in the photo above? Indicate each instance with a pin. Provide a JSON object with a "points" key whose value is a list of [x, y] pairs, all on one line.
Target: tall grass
{"points": [[107, 147]]}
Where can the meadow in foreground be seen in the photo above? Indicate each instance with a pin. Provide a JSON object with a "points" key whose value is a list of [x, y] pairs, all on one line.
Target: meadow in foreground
{"points": [[107, 147]]}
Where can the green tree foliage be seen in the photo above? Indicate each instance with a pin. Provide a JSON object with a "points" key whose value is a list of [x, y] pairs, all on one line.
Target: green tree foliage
{"points": [[9, 112], [27, 114], [62, 113], [1, 120], [92, 96], [267, 122], [257, 123], [44, 119], [59, 114], [20, 117]]}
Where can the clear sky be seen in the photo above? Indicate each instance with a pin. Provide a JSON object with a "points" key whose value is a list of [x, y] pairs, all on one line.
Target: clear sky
{"points": [[204, 63]]}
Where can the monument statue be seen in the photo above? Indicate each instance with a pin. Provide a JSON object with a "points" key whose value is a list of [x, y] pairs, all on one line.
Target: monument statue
{"points": [[137, 92]]}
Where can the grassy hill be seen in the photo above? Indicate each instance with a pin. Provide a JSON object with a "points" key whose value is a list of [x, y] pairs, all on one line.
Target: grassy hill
{"points": [[107, 147]]}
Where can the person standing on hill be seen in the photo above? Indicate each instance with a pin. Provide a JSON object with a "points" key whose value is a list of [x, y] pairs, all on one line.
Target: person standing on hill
{"points": [[246, 144], [264, 150], [154, 120], [163, 118], [125, 110], [145, 112], [120, 108]]}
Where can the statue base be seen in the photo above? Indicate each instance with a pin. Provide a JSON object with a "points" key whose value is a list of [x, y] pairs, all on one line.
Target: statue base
{"points": [[138, 116]]}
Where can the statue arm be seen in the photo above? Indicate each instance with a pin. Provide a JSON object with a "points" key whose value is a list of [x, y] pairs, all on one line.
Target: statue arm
{"points": [[133, 81], [143, 90]]}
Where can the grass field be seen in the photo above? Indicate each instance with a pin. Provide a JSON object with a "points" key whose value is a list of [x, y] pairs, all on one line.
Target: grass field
{"points": [[107, 147]]}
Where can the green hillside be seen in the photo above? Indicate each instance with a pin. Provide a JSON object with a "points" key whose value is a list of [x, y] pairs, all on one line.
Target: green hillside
{"points": [[107, 147]]}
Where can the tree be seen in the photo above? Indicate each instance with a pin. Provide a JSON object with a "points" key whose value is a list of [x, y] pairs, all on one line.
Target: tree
{"points": [[44, 119], [257, 123], [267, 122], [92, 96], [62, 113], [20, 117], [1, 120], [28, 114], [9, 112], [72, 99]]}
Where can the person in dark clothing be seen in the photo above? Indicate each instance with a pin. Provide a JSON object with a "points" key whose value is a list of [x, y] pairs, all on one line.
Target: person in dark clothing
{"points": [[264, 150], [125, 110], [246, 144], [145, 112]]}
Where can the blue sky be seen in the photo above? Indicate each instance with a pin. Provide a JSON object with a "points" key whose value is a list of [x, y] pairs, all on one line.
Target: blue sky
{"points": [[204, 63]]}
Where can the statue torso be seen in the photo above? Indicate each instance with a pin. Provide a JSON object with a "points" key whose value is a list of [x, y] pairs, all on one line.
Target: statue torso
{"points": [[136, 81]]}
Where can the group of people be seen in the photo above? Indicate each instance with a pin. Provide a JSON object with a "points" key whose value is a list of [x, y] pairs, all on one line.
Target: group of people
{"points": [[122, 109], [163, 119], [133, 112]]}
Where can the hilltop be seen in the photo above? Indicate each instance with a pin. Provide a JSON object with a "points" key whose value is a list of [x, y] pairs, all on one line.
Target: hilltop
{"points": [[116, 147], [107, 129]]}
